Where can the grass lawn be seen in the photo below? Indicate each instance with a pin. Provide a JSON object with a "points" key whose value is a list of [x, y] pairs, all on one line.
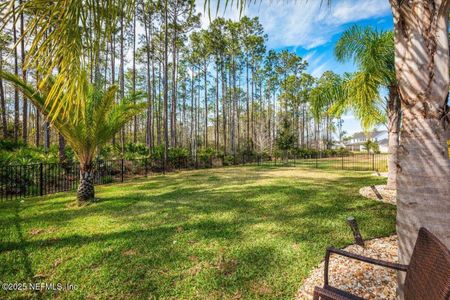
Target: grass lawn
{"points": [[238, 232]]}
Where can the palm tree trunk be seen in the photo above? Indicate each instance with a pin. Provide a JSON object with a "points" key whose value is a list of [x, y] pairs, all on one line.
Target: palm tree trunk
{"points": [[421, 58], [394, 115], [85, 192], [62, 149]]}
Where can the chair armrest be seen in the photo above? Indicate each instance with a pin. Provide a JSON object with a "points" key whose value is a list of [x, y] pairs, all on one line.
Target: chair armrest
{"points": [[369, 260], [327, 294]]}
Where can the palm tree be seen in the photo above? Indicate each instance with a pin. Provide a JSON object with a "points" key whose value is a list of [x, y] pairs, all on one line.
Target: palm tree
{"points": [[373, 53], [422, 65], [64, 34], [100, 117]]}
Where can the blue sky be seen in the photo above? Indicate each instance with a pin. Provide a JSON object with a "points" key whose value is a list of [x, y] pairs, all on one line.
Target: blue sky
{"points": [[311, 29]]}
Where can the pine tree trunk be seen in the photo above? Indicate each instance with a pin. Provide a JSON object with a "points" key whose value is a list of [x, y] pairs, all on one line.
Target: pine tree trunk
{"points": [[421, 59], [205, 70], [192, 112], [166, 86], [247, 106], [149, 124], [47, 140], [135, 118], [216, 131], [122, 77], [173, 122], [38, 128], [86, 192], [16, 72], [224, 108], [158, 117], [3, 102], [24, 77], [113, 71]]}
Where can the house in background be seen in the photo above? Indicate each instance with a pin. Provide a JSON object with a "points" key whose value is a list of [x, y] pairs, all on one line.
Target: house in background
{"points": [[357, 140]]}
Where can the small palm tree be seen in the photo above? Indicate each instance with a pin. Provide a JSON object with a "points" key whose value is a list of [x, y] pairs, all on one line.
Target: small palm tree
{"points": [[99, 118], [373, 53]]}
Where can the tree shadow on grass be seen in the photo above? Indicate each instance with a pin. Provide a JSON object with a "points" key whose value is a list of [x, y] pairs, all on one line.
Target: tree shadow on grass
{"points": [[217, 235]]}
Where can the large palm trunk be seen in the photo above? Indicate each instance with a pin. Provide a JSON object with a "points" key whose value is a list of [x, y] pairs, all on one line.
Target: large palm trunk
{"points": [[394, 118], [421, 60], [85, 192]]}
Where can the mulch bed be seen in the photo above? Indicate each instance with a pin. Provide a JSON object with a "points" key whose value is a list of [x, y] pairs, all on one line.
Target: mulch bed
{"points": [[362, 279], [379, 193]]}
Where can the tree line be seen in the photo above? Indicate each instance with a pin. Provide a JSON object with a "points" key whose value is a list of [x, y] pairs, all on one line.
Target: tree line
{"points": [[216, 88]]}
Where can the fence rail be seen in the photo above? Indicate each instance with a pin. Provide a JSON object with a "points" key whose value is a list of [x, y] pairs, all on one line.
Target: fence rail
{"points": [[19, 181]]}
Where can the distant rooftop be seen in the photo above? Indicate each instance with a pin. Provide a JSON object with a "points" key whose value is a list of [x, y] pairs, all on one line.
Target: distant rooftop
{"points": [[370, 134]]}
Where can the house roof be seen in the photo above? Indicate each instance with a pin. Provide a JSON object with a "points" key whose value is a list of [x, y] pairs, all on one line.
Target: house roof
{"points": [[370, 135], [383, 142]]}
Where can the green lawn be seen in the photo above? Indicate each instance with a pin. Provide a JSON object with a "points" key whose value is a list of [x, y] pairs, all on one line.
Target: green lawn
{"points": [[238, 232]]}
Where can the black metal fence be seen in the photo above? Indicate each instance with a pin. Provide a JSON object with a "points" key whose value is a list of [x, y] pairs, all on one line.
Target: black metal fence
{"points": [[18, 181]]}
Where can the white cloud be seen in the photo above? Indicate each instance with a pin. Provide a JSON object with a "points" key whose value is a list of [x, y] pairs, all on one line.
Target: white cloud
{"points": [[304, 23]]}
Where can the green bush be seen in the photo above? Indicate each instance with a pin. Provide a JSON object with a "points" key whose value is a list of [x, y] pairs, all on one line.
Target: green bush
{"points": [[206, 154], [228, 160], [8, 145]]}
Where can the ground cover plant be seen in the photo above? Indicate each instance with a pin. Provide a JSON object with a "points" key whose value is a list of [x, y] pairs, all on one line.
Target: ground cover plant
{"points": [[236, 232]]}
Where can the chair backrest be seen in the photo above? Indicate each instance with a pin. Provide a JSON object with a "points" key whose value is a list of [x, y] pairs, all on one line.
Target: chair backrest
{"points": [[428, 275]]}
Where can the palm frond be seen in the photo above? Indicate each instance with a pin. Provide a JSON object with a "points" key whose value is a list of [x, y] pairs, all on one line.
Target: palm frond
{"points": [[65, 33]]}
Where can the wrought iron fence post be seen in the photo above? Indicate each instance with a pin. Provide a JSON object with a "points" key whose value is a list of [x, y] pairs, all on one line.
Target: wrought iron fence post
{"points": [[342, 161], [373, 161], [121, 170], [41, 179]]}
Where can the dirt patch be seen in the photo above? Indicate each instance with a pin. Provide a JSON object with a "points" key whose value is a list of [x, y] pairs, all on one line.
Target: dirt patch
{"points": [[130, 252]]}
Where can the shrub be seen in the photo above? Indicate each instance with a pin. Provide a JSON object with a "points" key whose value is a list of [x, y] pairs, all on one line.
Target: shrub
{"points": [[206, 154]]}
